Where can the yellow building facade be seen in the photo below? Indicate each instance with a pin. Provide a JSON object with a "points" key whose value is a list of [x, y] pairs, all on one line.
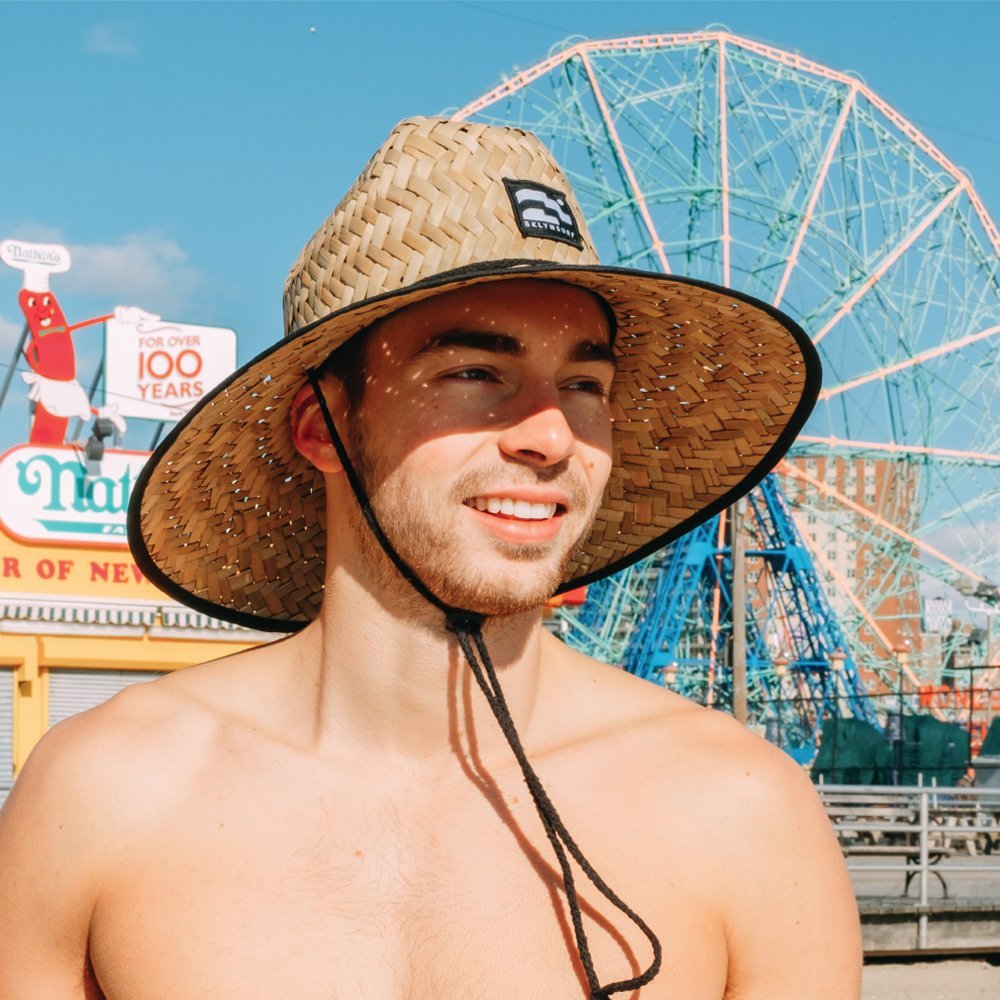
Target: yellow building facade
{"points": [[77, 624]]}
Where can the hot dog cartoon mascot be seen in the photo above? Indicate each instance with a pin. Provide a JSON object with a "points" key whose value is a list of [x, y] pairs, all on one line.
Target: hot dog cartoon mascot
{"points": [[54, 388]]}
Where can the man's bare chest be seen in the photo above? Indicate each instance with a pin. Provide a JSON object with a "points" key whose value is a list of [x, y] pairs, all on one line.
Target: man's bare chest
{"points": [[453, 895]]}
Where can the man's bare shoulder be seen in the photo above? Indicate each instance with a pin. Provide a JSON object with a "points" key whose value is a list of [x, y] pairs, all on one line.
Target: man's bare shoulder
{"points": [[688, 782], [603, 702], [743, 787], [143, 738], [101, 787]]}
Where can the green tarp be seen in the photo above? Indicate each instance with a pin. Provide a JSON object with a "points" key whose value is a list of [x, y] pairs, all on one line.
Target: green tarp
{"points": [[853, 752], [991, 745], [936, 749]]}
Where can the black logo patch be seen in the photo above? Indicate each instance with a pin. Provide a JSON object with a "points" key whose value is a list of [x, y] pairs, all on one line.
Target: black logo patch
{"points": [[543, 212]]}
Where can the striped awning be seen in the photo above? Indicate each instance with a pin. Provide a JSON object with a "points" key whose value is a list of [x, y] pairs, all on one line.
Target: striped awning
{"points": [[28, 609]]}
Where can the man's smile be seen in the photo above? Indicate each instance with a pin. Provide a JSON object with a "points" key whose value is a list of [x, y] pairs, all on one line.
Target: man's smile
{"points": [[521, 516], [523, 510]]}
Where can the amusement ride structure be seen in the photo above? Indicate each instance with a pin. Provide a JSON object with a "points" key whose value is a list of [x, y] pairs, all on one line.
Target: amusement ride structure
{"points": [[724, 159]]}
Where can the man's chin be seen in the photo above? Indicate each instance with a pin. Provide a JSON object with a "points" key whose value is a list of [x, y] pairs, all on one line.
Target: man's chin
{"points": [[510, 587], [499, 605]]}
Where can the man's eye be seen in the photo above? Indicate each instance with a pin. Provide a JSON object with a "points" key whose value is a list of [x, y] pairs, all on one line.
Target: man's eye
{"points": [[473, 375], [590, 385]]}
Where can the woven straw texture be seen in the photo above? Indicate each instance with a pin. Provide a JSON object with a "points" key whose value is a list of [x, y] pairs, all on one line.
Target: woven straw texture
{"points": [[228, 518]]}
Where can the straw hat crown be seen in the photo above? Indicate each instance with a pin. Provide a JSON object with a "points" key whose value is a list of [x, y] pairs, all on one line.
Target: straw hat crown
{"points": [[432, 199]]}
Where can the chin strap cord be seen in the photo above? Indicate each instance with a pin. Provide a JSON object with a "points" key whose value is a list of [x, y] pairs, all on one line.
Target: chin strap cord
{"points": [[366, 508], [467, 627]]}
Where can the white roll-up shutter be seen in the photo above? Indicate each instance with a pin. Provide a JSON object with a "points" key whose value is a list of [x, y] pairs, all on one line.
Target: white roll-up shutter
{"points": [[72, 691], [6, 732]]}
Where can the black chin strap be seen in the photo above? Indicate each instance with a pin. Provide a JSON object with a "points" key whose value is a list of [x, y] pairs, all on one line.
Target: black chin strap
{"points": [[467, 626]]}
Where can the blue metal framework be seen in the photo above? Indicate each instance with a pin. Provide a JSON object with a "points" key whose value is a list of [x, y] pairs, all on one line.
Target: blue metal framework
{"points": [[799, 665]]}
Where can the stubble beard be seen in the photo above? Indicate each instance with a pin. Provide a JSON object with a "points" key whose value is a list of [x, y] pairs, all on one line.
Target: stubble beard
{"points": [[429, 542]]}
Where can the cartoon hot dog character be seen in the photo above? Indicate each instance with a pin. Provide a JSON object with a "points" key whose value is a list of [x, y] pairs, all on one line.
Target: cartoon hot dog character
{"points": [[54, 388]]}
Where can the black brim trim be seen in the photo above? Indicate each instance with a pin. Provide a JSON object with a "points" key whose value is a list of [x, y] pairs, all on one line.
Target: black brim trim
{"points": [[441, 282]]}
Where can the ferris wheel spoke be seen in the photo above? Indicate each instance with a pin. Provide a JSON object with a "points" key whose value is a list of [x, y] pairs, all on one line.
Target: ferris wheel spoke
{"points": [[889, 447], [889, 260], [848, 591], [820, 180], [963, 509], [917, 359], [788, 469], [724, 162], [778, 131], [625, 165]]}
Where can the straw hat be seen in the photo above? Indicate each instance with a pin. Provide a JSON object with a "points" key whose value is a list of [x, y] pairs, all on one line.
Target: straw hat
{"points": [[711, 388]]}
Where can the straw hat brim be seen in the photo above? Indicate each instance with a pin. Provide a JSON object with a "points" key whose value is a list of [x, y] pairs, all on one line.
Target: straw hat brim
{"points": [[711, 389]]}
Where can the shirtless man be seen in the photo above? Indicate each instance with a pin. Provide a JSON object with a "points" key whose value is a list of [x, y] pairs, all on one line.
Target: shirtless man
{"points": [[340, 814]]}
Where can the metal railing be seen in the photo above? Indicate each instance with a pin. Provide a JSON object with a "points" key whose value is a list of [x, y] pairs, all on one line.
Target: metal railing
{"points": [[917, 829]]}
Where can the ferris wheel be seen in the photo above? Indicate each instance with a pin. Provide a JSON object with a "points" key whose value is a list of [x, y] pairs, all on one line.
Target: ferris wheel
{"points": [[717, 157]]}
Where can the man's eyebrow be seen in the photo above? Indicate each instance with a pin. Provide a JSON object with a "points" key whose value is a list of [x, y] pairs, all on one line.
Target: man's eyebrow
{"points": [[479, 340], [593, 350], [504, 343]]}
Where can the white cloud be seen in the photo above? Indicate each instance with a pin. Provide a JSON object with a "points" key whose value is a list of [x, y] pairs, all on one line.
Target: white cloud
{"points": [[142, 269], [109, 40], [36, 232]]}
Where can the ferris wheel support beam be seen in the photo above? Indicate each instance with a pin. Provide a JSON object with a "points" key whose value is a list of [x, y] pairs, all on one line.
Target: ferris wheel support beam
{"points": [[716, 607], [807, 216], [902, 449], [788, 469], [917, 359], [891, 259], [626, 166], [724, 161]]}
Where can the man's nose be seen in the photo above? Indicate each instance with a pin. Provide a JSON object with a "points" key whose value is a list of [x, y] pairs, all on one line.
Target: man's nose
{"points": [[540, 436]]}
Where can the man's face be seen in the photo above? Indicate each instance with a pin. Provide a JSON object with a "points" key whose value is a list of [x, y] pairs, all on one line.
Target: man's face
{"points": [[483, 438]]}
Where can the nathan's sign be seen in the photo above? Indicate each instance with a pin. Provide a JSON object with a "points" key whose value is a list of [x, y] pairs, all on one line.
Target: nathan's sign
{"points": [[48, 495], [157, 370], [71, 571]]}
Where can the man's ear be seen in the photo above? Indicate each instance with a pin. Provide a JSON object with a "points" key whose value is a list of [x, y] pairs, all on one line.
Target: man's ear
{"points": [[310, 434]]}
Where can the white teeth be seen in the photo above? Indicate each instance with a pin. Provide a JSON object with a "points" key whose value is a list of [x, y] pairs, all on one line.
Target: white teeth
{"points": [[524, 510]]}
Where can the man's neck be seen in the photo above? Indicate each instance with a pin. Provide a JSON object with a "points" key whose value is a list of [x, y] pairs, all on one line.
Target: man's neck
{"points": [[390, 679]]}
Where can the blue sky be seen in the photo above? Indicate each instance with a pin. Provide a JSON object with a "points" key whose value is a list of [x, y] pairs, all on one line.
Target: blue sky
{"points": [[186, 151]]}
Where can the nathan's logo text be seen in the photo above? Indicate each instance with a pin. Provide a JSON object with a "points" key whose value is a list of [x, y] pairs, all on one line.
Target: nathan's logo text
{"points": [[50, 497], [65, 486]]}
